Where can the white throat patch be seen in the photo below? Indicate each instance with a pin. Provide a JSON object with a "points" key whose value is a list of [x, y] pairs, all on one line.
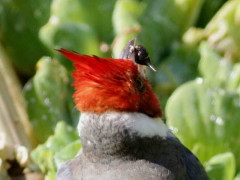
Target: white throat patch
{"points": [[142, 124], [147, 126]]}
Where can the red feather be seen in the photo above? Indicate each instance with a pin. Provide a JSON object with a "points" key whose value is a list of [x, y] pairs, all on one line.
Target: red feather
{"points": [[104, 84]]}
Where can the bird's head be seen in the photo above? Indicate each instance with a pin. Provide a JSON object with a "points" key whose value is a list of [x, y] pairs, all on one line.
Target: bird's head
{"points": [[104, 84]]}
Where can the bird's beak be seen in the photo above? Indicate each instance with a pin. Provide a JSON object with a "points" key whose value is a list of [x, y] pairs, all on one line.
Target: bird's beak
{"points": [[151, 67]]}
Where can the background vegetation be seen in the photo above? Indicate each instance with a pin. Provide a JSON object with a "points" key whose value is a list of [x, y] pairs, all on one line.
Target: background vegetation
{"points": [[194, 44]]}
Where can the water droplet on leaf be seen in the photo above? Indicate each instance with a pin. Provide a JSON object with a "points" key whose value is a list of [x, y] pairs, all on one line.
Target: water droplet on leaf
{"points": [[28, 87], [217, 120], [47, 102], [54, 20], [199, 80], [37, 13], [32, 100], [236, 102], [44, 116]]}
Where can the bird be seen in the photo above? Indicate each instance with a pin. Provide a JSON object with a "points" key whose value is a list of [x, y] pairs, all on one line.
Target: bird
{"points": [[121, 129]]}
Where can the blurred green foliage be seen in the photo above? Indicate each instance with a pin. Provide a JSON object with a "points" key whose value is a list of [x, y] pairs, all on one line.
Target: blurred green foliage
{"points": [[205, 111], [49, 98], [194, 44], [19, 27], [59, 147], [221, 166], [209, 8]]}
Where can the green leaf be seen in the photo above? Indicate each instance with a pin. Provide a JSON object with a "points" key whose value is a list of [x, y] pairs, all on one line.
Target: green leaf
{"points": [[79, 27], [49, 98], [67, 153], [208, 10], [64, 140], [178, 68], [75, 37], [162, 26], [99, 21], [221, 167], [212, 66], [20, 21], [222, 31], [50, 176], [204, 112], [125, 23], [237, 176], [126, 14]]}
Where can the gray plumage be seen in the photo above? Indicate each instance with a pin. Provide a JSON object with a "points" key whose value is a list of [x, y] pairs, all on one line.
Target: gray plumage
{"points": [[113, 149]]}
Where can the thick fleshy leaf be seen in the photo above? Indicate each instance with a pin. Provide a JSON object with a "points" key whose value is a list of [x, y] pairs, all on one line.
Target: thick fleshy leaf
{"points": [[125, 22], [126, 14], [170, 19], [20, 21], [208, 10], [62, 141], [67, 153], [80, 26], [75, 37], [222, 31], [48, 97], [221, 167], [178, 68], [204, 112], [237, 176]]}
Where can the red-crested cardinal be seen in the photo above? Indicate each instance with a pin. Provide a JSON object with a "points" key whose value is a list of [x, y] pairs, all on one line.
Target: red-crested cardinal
{"points": [[121, 131]]}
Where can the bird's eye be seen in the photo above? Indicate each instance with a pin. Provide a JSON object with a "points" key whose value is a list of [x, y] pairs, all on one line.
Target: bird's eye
{"points": [[139, 84]]}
